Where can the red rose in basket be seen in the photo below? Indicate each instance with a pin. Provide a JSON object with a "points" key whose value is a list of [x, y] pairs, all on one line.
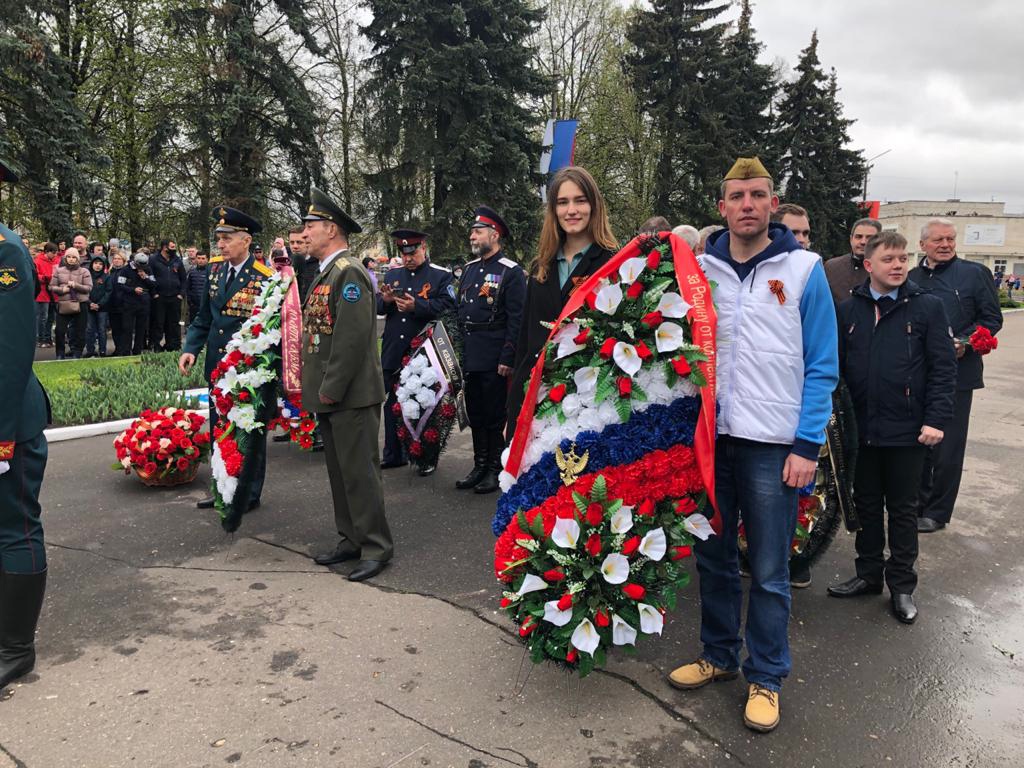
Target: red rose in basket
{"points": [[164, 447]]}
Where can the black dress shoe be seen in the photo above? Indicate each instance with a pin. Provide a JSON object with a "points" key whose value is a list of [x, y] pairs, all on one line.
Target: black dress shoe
{"points": [[344, 551], [367, 569], [903, 608], [318, 447], [281, 438], [392, 464], [929, 525], [206, 503], [428, 470], [855, 587]]}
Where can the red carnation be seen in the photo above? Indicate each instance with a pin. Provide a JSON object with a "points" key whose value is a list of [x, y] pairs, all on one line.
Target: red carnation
{"points": [[606, 348], [396, 408], [185, 443], [557, 393], [244, 396], [630, 545], [582, 336], [149, 468], [646, 508], [506, 602], [652, 319], [416, 343], [634, 591], [307, 425], [594, 545], [625, 385], [601, 618], [681, 366], [653, 259], [182, 464], [564, 602], [595, 514], [431, 435], [678, 553], [250, 360], [571, 655], [685, 506], [402, 433], [643, 351], [528, 626], [982, 341], [448, 410], [305, 442], [555, 574], [635, 291], [416, 449], [566, 513], [405, 361], [256, 329]]}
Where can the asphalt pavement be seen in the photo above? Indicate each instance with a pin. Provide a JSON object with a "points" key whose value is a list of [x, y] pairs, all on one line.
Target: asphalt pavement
{"points": [[165, 642]]}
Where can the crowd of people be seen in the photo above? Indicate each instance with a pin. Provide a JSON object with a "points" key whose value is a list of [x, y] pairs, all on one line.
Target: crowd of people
{"points": [[791, 326]]}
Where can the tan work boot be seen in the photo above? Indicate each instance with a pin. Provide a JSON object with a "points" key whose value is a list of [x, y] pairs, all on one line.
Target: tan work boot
{"points": [[698, 674], [762, 712]]}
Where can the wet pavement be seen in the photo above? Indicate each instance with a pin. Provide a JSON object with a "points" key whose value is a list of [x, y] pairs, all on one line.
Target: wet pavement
{"points": [[165, 642]]}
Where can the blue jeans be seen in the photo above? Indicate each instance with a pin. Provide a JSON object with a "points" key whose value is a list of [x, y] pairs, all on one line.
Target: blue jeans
{"points": [[96, 333], [44, 322], [748, 477]]}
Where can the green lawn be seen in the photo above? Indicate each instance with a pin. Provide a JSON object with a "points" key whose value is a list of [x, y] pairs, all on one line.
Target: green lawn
{"points": [[57, 374]]}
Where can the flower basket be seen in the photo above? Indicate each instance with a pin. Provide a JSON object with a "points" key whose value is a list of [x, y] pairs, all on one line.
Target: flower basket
{"points": [[170, 479], [164, 447]]}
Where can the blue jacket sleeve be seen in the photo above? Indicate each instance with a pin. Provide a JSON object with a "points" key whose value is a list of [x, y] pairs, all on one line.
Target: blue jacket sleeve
{"points": [[821, 363], [515, 300]]}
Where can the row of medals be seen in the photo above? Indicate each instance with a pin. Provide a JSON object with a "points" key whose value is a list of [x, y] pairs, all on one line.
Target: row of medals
{"points": [[317, 316]]}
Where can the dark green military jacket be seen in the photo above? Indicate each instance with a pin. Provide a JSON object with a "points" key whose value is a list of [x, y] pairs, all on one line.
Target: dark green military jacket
{"points": [[24, 411], [224, 307], [339, 339]]}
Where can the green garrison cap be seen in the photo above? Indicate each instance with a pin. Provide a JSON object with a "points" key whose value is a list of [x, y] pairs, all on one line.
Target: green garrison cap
{"points": [[747, 168], [323, 208]]}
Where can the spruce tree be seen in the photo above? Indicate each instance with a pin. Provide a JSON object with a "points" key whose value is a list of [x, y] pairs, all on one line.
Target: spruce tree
{"points": [[452, 122], [675, 68], [817, 169]]}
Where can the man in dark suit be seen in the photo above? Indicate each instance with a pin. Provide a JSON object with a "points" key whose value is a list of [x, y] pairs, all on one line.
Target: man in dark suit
{"points": [[491, 296], [24, 414], [410, 297], [235, 280], [343, 384]]}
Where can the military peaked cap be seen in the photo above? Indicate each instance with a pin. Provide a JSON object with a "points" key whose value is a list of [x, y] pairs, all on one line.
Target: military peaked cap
{"points": [[323, 208], [233, 220]]}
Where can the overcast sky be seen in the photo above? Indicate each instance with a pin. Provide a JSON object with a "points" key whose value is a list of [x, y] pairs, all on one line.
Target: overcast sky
{"points": [[939, 83]]}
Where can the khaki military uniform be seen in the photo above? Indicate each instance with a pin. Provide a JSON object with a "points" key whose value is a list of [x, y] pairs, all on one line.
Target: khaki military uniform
{"points": [[340, 362]]}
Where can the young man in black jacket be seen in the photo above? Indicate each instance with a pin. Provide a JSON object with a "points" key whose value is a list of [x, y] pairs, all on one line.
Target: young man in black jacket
{"points": [[165, 311], [897, 356], [195, 285]]}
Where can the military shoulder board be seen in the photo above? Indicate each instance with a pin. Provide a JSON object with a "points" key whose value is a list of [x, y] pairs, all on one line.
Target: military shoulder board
{"points": [[262, 268], [507, 262], [439, 267]]}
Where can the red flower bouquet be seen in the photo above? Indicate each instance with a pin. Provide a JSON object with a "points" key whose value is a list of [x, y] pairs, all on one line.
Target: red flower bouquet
{"points": [[164, 447], [982, 341]]}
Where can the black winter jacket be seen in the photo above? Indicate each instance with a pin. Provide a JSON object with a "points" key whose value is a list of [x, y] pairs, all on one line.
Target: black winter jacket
{"points": [[169, 276], [970, 297], [901, 372], [195, 286]]}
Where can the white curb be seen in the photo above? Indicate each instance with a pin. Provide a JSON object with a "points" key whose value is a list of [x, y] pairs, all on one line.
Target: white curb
{"points": [[60, 434]]}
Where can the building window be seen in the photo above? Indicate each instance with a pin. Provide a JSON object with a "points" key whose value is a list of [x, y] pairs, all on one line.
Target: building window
{"points": [[1000, 264]]}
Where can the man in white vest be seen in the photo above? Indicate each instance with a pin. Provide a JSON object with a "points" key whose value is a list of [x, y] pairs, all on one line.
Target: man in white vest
{"points": [[777, 367]]}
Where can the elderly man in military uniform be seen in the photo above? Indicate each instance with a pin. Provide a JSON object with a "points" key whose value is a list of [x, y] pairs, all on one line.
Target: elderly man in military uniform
{"points": [[234, 282], [24, 414], [410, 297], [342, 382], [490, 300]]}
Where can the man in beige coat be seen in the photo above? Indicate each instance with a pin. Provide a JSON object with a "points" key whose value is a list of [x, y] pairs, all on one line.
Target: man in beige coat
{"points": [[343, 384]]}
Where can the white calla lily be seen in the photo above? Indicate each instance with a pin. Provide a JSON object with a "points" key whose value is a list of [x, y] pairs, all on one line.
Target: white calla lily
{"points": [[630, 269], [609, 298], [622, 520], [585, 638], [566, 533], [626, 358], [651, 620], [531, 583], [555, 616], [699, 526], [668, 337], [622, 632], [615, 568], [565, 340], [654, 544], [672, 305], [586, 379]]}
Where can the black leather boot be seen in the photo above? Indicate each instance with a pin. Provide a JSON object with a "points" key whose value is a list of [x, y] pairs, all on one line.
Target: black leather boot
{"points": [[21, 599], [489, 481], [479, 461]]}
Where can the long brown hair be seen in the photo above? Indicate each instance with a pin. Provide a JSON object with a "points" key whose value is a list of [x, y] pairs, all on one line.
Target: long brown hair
{"points": [[552, 236]]}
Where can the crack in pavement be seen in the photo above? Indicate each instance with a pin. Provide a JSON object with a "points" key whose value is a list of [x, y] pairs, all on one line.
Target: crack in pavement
{"points": [[17, 763], [527, 764], [137, 566]]}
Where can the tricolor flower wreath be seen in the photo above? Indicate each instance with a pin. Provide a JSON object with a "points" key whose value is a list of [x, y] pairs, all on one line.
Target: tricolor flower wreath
{"points": [[299, 424], [603, 489], [240, 394], [425, 401]]}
